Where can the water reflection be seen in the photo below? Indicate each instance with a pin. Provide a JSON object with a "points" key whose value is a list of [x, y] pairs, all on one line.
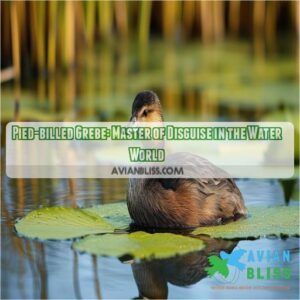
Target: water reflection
{"points": [[152, 277]]}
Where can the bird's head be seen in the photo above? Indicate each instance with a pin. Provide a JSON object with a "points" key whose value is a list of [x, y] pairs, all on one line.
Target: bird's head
{"points": [[146, 108]]}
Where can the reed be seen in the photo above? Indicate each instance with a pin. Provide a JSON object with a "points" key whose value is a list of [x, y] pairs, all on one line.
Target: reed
{"points": [[144, 22], [88, 109], [295, 12], [234, 17], [38, 20], [31, 22], [35, 191], [90, 22], [259, 12], [190, 101], [52, 36], [61, 34], [105, 16], [218, 19], [206, 13], [188, 17], [271, 20], [15, 38], [21, 8], [122, 70], [121, 15], [49, 34], [69, 45], [6, 30], [106, 76], [170, 15], [80, 25]]}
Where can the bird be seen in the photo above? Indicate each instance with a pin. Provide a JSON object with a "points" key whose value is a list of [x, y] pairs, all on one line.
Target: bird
{"points": [[180, 203]]}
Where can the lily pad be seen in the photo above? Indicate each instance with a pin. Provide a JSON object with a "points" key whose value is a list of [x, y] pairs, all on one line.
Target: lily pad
{"points": [[66, 223], [262, 221], [140, 245], [115, 213], [61, 223]]}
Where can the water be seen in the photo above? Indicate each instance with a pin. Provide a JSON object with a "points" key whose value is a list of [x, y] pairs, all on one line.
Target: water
{"points": [[195, 83], [31, 269]]}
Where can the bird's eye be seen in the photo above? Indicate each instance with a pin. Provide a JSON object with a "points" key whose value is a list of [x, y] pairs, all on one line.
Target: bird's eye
{"points": [[145, 113]]}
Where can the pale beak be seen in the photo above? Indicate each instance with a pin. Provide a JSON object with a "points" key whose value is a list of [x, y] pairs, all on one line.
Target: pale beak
{"points": [[133, 119], [133, 122]]}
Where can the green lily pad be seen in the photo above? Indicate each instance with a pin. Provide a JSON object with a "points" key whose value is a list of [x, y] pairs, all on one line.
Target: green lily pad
{"points": [[61, 223], [262, 221], [115, 213], [66, 223], [140, 245]]}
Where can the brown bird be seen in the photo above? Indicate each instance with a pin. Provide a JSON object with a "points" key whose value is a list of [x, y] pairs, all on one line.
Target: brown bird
{"points": [[180, 202]]}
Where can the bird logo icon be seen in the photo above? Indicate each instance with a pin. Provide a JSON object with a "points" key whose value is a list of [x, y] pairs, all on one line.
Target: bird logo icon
{"points": [[220, 264]]}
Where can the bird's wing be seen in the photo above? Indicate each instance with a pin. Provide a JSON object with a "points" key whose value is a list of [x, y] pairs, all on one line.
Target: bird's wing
{"points": [[209, 177]]}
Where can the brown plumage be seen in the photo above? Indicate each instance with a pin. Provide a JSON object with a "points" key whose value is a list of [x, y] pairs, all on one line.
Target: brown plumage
{"points": [[182, 202]]}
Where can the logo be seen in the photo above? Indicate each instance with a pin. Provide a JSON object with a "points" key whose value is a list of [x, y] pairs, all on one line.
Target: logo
{"points": [[221, 265], [227, 267]]}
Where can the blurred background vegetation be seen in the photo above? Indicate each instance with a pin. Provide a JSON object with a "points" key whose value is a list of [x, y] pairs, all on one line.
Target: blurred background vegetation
{"points": [[207, 60]]}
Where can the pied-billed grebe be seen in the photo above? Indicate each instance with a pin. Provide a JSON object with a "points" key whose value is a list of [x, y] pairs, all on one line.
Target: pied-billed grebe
{"points": [[179, 202]]}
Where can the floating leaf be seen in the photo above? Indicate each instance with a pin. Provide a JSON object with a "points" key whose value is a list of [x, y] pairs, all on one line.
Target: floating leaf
{"points": [[115, 213], [261, 221], [64, 223], [139, 245], [61, 223]]}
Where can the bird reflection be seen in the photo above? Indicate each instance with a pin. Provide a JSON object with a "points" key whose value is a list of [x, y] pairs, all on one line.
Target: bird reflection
{"points": [[152, 277]]}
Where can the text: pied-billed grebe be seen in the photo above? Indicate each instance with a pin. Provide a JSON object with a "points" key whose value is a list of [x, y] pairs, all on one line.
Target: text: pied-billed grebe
{"points": [[179, 202]]}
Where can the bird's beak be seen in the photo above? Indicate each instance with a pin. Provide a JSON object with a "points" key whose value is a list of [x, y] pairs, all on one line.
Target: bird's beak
{"points": [[132, 119]]}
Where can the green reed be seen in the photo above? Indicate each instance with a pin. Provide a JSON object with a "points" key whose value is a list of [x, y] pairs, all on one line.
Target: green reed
{"points": [[52, 34]]}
